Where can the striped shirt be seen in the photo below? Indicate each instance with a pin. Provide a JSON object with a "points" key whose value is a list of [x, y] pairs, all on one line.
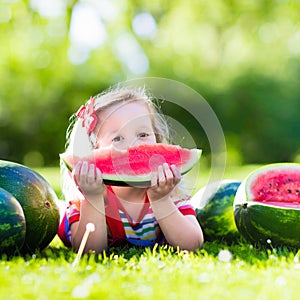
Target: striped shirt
{"points": [[144, 232]]}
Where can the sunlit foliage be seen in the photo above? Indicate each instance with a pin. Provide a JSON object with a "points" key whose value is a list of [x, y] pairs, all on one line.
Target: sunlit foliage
{"points": [[242, 56]]}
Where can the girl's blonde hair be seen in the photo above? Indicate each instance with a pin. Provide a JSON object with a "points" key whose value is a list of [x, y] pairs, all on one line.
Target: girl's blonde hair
{"points": [[80, 143], [119, 95]]}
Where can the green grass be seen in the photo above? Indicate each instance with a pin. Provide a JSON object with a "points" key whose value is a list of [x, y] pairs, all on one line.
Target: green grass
{"points": [[159, 273]]}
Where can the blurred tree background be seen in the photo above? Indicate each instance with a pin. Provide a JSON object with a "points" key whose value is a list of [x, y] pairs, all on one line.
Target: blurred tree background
{"points": [[243, 57]]}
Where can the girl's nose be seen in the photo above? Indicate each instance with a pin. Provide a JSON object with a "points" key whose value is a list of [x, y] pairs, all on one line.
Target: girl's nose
{"points": [[135, 142], [128, 142]]}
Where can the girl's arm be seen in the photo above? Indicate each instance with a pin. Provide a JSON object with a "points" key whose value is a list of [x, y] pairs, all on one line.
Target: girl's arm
{"points": [[179, 230], [92, 210]]}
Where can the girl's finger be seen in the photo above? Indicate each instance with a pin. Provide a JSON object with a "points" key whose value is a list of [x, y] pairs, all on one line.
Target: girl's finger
{"points": [[154, 179], [176, 173], [76, 171], [161, 176], [91, 174], [84, 168], [168, 174], [77, 167], [98, 174]]}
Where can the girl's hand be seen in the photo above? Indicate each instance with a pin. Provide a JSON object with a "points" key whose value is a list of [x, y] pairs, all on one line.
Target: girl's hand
{"points": [[163, 182], [88, 179]]}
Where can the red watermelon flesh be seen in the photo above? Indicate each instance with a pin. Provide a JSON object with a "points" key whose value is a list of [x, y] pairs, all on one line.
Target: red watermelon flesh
{"points": [[277, 184], [135, 165]]}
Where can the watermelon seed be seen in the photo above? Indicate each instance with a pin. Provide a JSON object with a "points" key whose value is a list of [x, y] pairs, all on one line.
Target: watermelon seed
{"points": [[289, 191], [47, 204]]}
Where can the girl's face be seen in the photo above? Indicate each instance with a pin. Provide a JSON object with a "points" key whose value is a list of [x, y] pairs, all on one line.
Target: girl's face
{"points": [[125, 125]]}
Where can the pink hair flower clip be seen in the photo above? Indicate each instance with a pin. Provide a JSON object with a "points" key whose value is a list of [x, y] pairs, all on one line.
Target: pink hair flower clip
{"points": [[88, 115]]}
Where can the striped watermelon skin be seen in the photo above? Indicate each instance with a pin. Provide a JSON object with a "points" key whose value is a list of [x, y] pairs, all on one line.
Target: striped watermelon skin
{"points": [[267, 206], [263, 224], [38, 201], [12, 224], [214, 208]]}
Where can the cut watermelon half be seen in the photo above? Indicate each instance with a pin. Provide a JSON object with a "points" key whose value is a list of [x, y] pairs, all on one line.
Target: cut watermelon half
{"points": [[135, 165], [267, 205]]}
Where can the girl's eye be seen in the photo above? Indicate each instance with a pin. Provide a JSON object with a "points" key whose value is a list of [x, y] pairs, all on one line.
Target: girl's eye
{"points": [[143, 134], [117, 139]]}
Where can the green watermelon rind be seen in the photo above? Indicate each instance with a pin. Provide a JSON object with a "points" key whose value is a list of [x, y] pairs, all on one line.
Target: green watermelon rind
{"points": [[12, 224], [214, 209], [139, 180], [38, 201], [262, 223]]}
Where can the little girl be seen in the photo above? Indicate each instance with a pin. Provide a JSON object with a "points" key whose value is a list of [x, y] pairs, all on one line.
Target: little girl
{"points": [[160, 214]]}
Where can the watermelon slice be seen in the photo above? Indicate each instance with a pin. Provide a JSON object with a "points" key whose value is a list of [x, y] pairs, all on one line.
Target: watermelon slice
{"points": [[135, 165]]}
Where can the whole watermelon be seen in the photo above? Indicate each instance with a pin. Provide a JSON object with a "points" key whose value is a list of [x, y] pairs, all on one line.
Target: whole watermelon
{"points": [[38, 201], [214, 208], [12, 224], [267, 205]]}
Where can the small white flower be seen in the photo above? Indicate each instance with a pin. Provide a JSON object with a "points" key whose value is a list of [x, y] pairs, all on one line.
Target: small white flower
{"points": [[225, 256], [280, 280], [80, 291]]}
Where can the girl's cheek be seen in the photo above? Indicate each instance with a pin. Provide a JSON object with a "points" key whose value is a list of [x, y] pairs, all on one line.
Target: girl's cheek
{"points": [[102, 143], [152, 140]]}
